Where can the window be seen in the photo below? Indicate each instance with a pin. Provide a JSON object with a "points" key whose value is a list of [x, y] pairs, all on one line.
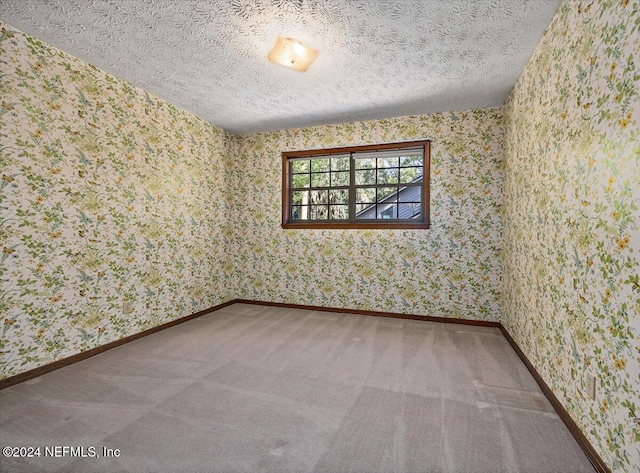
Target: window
{"points": [[375, 186]]}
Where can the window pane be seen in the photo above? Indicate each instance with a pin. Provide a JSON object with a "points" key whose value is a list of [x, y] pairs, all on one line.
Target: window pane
{"points": [[299, 212], [300, 197], [340, 178], [409, 210], [300, 165], [339, 196], [318, 212], [368, 176], [365, 196], [410, 194], [387, 211], [388, 162], [365, 163], [300, 181], [319, 197], [320, 179], [320, 164], [388, 176], [411, 161], [340, 164], [385, 192], [338, 212], [364, 211], [410, 174]]}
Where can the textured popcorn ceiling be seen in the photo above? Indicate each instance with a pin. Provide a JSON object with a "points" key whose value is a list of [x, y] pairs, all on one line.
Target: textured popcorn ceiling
{"points": [[377, 58]]}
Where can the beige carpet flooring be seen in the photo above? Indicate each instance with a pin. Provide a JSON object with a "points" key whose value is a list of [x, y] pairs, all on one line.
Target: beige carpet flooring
{"points": [[264, 389]]}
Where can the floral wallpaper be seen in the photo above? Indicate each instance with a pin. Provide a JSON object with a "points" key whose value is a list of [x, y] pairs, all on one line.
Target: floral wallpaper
{"points": [[107, 195], [571, 256], [450, 270]]}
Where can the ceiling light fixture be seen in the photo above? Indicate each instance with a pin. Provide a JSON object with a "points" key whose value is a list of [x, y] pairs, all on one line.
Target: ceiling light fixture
{"points": [[292, 53]]}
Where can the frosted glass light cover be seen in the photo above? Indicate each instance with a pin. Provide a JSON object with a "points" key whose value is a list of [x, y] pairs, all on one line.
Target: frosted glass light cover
{"points": [[292, 53]]}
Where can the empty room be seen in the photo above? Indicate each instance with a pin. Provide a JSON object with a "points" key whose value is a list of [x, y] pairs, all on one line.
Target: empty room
{"points": [[320, 236]]}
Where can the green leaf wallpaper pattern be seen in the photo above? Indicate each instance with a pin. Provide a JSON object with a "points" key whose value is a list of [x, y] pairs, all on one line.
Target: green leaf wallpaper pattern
{"points": [[106, 194], [450, 270], [571, 255]]}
